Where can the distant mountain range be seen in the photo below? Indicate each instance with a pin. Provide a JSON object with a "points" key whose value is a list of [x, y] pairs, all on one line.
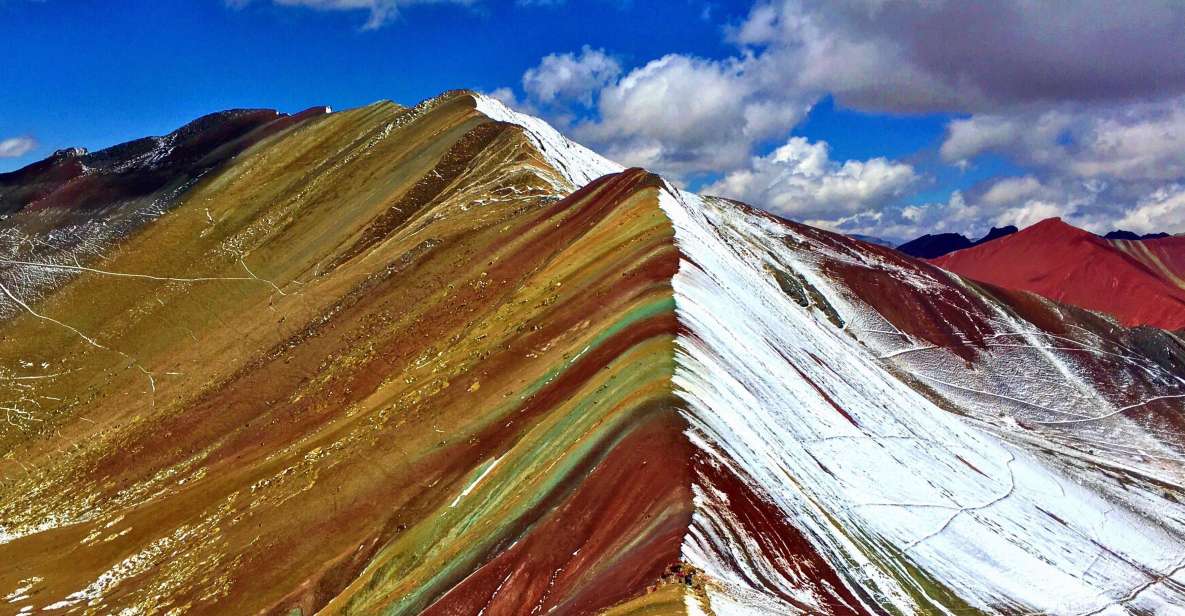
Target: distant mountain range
{"points": [[931, 246], [1128, 235], [442, 360]]}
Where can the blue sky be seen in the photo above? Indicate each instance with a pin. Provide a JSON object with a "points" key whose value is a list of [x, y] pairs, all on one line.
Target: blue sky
{"points": [[98, 72], [884, 119]]}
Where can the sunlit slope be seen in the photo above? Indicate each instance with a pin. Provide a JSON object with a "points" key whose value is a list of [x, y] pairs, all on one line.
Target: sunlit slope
{"points": [[443, 360], [374, 365]]}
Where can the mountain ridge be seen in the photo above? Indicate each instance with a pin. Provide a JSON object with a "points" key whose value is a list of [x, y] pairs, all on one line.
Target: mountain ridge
{"points": [[932, 246], [497, 373]]}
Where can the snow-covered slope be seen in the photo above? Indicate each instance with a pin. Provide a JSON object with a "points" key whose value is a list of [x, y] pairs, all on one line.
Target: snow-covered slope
{"points": [[578, 164], [919, 510]]}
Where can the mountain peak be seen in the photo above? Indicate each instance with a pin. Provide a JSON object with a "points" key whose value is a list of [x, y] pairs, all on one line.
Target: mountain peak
{"points": [[577, 164], [1051, 229], [1065, 263], [1054, 223]]}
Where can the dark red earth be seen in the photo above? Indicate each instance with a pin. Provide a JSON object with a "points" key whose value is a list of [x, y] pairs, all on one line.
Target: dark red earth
{"points": [[1136, 282]]}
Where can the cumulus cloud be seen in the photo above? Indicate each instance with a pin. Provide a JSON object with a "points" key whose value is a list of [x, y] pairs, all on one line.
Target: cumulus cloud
{"points": [[380, 11], [1020, 201], [1136, 144], [800, 180], [1161, 211], [1115, 166], [961, 55], [970, 137], [1088, 98], [14, 147], [897, 225], [1129, 142], [1010, 191], [682, 115], [569, 76]]}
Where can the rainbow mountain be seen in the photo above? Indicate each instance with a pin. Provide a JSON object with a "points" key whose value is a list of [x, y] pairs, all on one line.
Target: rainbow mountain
{"points": [[442, 360]]}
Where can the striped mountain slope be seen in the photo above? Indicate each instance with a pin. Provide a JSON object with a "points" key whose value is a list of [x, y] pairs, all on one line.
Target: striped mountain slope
{"points": [[441, 360]]}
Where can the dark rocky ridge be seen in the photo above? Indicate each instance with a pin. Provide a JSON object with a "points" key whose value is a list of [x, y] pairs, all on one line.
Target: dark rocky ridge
{"points": [[75, 179], [934, 246], [1120, 234]]}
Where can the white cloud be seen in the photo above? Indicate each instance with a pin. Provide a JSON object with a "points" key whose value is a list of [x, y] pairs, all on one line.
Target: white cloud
{"points": [[799, 179], [961, 55], [14, 147], [506, 96], [1088, 98], [570, 76], [1134, 142], [1101, 168], [1020, 201], [898, 225], [1161, 211], [680, 115], [1032, 138], [968, 138], [1010, 191]]}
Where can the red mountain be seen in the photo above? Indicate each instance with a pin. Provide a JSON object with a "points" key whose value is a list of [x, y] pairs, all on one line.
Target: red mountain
{"points": [[1139, 282]]}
